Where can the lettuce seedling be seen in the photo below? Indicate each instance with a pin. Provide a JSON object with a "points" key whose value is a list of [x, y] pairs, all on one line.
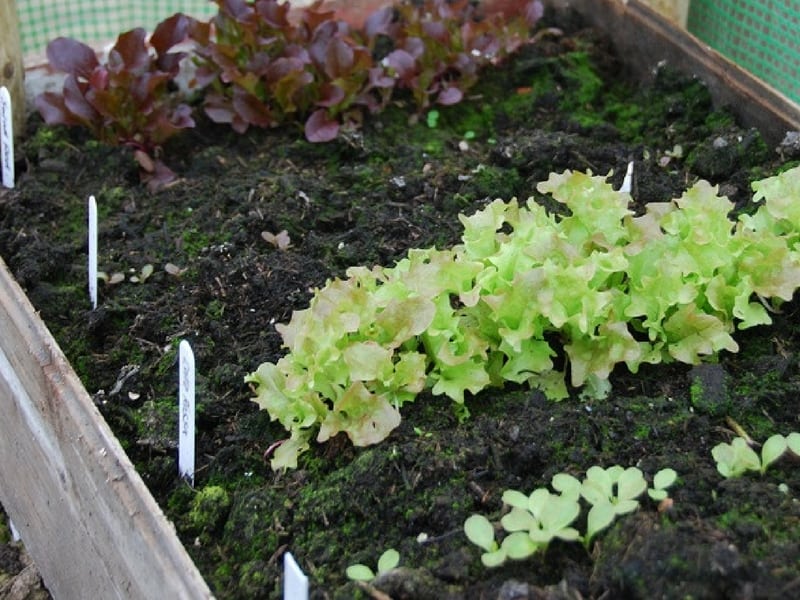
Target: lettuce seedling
{"points": [[611, 492], [736, 458], [541, 517], [536, 520], [480, 532], [533, 522], [387, 561], [793, 443], [127, 100], [661, 481]]}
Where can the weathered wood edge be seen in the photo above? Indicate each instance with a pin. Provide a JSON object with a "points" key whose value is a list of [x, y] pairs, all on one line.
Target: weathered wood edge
{"points": [[643, 39], [83, 512]]}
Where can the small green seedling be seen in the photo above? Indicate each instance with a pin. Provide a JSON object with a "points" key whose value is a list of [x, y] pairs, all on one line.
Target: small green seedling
{"points": [[793, 443], [422, 433], [280, 240], [112, 279], [738, 457], [611, 492], [735, 458], [661, 481], [432, 119], [535, 520], [143, 275], [481, 533], [388, 561]]}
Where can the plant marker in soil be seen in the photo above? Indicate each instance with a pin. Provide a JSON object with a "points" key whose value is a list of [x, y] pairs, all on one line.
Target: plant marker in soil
{"points": [[93, 251], [295, 582], [14, 533], [186, 412], [627, 183], [6, 138]]}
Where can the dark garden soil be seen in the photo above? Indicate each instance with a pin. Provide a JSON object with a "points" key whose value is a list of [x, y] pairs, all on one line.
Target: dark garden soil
{"points": [[364, 200]]}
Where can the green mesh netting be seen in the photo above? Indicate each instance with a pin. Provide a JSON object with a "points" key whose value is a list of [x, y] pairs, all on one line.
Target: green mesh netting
{"points": [[762, 36], [93, 21]]}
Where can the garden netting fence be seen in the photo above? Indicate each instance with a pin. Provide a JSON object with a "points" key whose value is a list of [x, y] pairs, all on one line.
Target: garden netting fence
{"points": [[95, 21], [762, 36]]}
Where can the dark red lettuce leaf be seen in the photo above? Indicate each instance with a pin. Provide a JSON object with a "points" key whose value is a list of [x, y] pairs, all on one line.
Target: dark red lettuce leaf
{"points": [[76, 103], [72, 56], [170, 33], [51, 106], [379, 22], [320, 127], [132, 51], [450, 95]]}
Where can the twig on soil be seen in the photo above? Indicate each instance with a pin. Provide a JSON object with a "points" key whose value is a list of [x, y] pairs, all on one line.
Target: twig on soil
{"points": [[440, 538], [482, 494], [125, 373], [150, 344], [277, 554], [373, 591], [268, 452], [739, 430]]}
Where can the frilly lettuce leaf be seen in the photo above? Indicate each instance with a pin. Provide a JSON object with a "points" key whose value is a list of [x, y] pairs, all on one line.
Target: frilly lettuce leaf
{"points": [[606, 285]]}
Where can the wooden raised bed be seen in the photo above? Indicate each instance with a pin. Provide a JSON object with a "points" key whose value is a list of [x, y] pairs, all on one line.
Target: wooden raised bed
{"points": [[85, 515], [82, 510]]}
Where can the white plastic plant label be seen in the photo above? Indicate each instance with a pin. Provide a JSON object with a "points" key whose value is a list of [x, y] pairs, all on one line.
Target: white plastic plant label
{"points": [[627, 182], [14, 533], [295, 582], [6, 138], [186, 412], [93, 251]]}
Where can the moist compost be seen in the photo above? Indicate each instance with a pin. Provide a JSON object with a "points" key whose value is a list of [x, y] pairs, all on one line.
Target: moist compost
{"points": [[221, 279]]}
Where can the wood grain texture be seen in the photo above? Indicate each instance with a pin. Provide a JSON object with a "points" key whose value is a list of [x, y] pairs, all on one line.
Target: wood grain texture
{"points": [[82, 510]]}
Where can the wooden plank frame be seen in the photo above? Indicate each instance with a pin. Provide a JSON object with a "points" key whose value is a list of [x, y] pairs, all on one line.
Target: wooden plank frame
{"points": [[643, 38], [83, 512]]}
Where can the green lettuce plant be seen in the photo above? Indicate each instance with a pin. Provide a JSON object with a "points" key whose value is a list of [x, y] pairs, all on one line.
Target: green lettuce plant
{"points": [[537, 519], [736, 458], [601, 286]]}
